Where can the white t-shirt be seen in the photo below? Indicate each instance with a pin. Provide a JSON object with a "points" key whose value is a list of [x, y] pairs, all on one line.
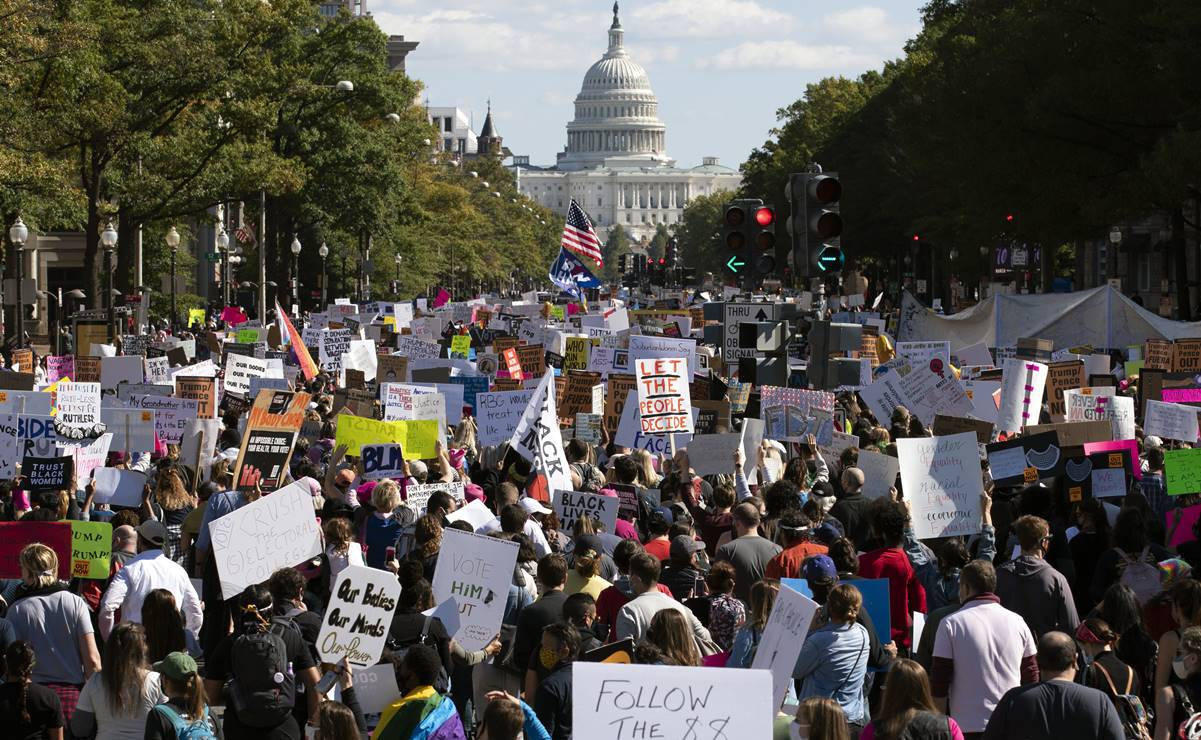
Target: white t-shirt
{"points": [[987, 643], [128, 726]]}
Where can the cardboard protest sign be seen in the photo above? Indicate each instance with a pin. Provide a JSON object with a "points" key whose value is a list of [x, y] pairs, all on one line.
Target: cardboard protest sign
{"points": [[573, 505], [392, 368], [780, 645], [91, 549], [663, 396], [118, 487], [476, 571], [617, 391], [1062, 376], [614, 700], [263, 458], [1170, 421], [941, 477], [1025, 460], [87, 369], [879, 472], [382, 461], [947, 425], [1074, 435], [277, 531], [1022, 384], [47, 473], [1180, 524], [538, 438], [1182, 471], [14, 536], [416, 437], [532, 359], [87, 457], [357, 618]]}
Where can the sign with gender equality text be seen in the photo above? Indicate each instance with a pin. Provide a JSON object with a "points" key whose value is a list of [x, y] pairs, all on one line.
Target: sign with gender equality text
{"points": [[357, 618], [941, 477], [616, 700], [277, 531], [787, 627], [475, 571], [663, 396]]}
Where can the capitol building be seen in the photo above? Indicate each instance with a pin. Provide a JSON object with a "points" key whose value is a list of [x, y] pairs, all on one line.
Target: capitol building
{"points": [[615, 164]]}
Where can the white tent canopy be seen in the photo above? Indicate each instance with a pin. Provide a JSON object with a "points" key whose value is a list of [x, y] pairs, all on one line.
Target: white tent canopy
{"points": [[1101, 317]]}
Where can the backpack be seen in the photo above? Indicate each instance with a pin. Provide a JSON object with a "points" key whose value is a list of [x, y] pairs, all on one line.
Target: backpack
{"points": [[1136, 722], [185, 729], [395, 651], [263, 689], [591, 478], [1140, 575]]}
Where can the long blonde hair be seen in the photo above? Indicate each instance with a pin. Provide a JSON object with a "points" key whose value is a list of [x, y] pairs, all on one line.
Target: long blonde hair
{"points": [[171, 493], [39, 564]]}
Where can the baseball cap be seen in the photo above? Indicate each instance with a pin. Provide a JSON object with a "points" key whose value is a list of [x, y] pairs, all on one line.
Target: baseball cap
{"points": [[683, 546], [666, 514], [533, 506], [819, 568], [153, 532], [826, 534], [177, 666]]}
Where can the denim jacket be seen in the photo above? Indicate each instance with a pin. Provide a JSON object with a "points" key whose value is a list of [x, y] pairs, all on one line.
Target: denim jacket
{"points": [[940, 590]]}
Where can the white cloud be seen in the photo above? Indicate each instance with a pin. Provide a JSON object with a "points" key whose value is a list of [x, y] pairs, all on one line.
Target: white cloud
{"points": [[706, 18], [654, 54], [788, 55], [866, 23]]}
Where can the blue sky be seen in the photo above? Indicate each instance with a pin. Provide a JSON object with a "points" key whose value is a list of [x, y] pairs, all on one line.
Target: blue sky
{"points": [[530, 56]]}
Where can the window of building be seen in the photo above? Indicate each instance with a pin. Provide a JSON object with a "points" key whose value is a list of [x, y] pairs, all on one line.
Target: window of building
{"points": [[447, 124], [560, 202], [448, 144], [599, 202], [462, 144], [627, 218]]}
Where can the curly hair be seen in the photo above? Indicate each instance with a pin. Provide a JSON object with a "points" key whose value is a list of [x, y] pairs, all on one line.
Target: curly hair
{"points": [[428, 534]]}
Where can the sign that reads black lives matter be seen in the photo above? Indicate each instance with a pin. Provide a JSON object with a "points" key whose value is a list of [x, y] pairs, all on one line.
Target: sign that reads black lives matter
{"points": [[573, 505], [47, 473]]}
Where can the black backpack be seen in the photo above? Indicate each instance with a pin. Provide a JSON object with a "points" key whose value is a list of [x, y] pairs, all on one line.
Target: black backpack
{"points": [[263, 689]]}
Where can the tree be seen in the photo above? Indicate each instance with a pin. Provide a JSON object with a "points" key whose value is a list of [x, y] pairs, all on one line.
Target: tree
{"points": [[699, 232], [658, 244]]}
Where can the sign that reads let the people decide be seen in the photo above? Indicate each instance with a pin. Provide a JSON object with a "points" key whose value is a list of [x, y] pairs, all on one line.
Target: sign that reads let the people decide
{"points": [[356, 622], [664, 402]]}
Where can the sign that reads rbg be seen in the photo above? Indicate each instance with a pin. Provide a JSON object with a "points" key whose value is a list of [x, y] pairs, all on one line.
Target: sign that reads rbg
{"points": [[663, 396]]}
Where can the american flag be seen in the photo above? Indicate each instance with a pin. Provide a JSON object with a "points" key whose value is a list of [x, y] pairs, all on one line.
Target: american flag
{"points": [[579, 236], [244, 234]]}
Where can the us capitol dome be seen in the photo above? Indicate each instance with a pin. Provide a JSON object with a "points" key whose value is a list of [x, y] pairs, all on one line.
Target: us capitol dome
{"points": [[615, 164]]}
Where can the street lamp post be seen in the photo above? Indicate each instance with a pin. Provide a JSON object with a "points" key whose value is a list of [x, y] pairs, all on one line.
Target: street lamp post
{"points": [[323, 250], [399, 259], [223, 247], [108, 240], [173, 243], [295, 271], [17, 234], [1111, 259]]}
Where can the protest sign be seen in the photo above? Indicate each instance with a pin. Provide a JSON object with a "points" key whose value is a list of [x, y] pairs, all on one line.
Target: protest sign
{"points": [[1022, 384], [473, 386], [87, 457], [60, 367], [78, 406], [644, 347], [538, 438], [118, 487], [416, 349], [617, 391], [573, 505], [10, 444], [199, 441], [941, 476], [1062, 376], [615, 700], [629, 432], [476, 571], [780, 645], [663, 396], [263, 458], [1075, 434], [476, 513], [117, 370], [713, 454], [946, 425], [1179, 524], [171, 415], [357, 618], [87, 369], [416, 437], [382, 461], [239, 369], [14, 536], [333, 344], [132, 429], [47, 473], [587, 427], [498, 414], [532, 360], [1170, 421], [1025, 460], [25, 402], [1182, 471], [418, 495], [1093, 404], [922, 354], [879, 472], [23, 359], [91, 549], [392, 368], [158, 370], [278, 530], [1118, 445]]}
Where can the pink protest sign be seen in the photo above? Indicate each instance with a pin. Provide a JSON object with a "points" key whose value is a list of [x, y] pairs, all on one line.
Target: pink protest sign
{"points": [[234, 315], [1179, 524], [1117, 446], [1181, 395], [442, 298]]}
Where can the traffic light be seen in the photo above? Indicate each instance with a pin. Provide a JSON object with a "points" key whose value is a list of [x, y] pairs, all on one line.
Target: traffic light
{"points": [[815, 223], [672, 252], [741, 230], [763, 233], [623, 264]]}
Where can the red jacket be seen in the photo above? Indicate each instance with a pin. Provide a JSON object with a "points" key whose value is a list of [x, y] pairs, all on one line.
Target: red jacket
{"points": [[905, 592]]}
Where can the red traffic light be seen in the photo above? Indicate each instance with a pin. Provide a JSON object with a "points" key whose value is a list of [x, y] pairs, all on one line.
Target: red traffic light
{"points": [[916, 238], [662, 261], [765, 216], [1009, 217]]}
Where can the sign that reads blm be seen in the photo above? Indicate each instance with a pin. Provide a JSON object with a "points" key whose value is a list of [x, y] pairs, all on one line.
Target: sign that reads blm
{"points": [[358, 617], [663, 396], [573, 505], [383, 461], [47, 473]]}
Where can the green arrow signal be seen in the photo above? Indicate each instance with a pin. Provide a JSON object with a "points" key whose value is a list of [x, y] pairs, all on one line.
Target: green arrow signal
{"points": [[735, 263]]}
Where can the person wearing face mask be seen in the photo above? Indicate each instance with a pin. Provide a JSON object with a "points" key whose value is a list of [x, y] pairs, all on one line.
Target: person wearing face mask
{"points": [[1031, 587], [421, 711], [1104, 670], [1177, 701], [552, 701], [817, 718]]}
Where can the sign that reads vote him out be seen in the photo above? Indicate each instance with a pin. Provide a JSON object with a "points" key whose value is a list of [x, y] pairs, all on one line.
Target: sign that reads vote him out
{"points": [[664, 403], [476, 571]]}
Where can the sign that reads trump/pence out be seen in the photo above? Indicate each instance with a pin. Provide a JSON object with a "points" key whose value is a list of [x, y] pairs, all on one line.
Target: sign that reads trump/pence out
{"points": [[663, 395]]}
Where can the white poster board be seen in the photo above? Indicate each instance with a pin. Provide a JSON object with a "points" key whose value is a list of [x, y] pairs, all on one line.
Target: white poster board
{"points": [[942, 479], [1170, 421], [780, 645], [117, 487], [277, 531], [239, 369], [357, 618], [713, 454], [572, 505], [78, 405], [614, 700], [879, 472], [664, 399], [475, 570], [1022, 384]]}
